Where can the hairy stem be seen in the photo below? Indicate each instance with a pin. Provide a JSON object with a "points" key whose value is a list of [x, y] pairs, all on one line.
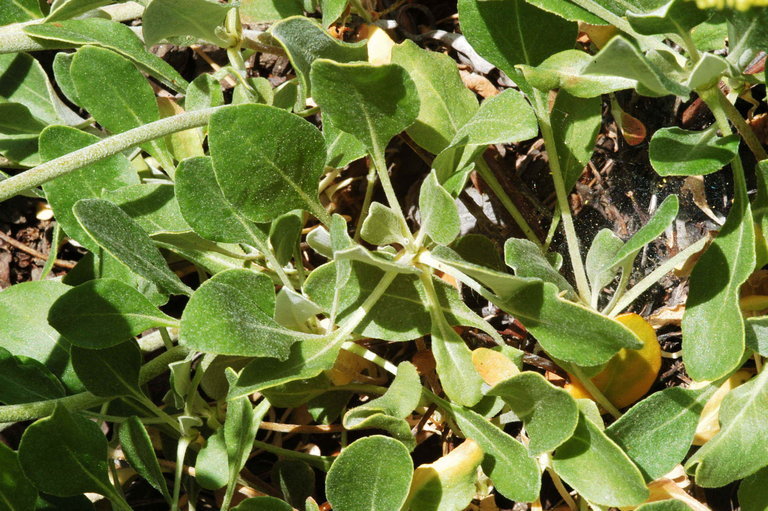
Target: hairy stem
{"points": [[103, 149]]}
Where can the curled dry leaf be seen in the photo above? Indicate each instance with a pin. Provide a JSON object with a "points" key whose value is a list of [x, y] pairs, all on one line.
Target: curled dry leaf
{"points": [[630, 373], [478, 84], [709, 423]]}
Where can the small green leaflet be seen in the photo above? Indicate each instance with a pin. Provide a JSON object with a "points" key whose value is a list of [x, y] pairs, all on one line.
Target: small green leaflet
{"points": [[679, 152], [164, 19], [138, 449]]}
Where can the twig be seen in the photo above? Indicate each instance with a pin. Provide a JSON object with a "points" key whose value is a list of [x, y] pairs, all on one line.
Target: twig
{"points": [[298, 428], [34, 253]]}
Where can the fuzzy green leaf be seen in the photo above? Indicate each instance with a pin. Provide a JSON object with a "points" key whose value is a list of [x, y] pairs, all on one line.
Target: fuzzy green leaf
{"points": [[598, 469], [371, 474], [657, 432], [439, 213], [24, 380], [151, 205], [527, 260], [89, 182], [679, 152], [383, 226], [231, 314], [275, 166], [263, 504], [575, 124], [550, 414], [740, 448], [16, 491], [753, 491], [109, 372], [114, 231], [446, 104], [713, 327], [165, 19], [674, 17], [138, 449], [342, 147], [112, 36], [372, 103], [104, 312]]}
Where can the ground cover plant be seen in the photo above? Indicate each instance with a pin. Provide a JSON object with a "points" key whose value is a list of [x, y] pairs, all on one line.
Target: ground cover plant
{"points": [[313, 273]]}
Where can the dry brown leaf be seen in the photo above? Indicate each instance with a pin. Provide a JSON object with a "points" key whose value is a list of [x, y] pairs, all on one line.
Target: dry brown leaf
{"points": [[667, 315], [632, 129], [694, 185], [478, 84]]}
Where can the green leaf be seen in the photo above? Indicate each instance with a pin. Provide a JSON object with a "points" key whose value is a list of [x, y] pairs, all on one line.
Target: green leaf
{"points": [[24, 81], [112, 36], [372, 103], [212, 465], [445, 102], [305, 41], [662, 218], [89, 182], [24, 380], [740, 448], [756, 332], [623, 59], [307, 360], [679, 152], [665, 505], [549, 413], [256, 11], [16, 491], [568, 10], [285, 234], [342, 147], [240, 428], [708, 71], [115, 93], [165, 19], [14, 11], [657, 432], [453, 362], [104, 266], [263, 504], [204, 207], [296, 480], [104, 312], [598, 469], [204, 92], [509, 32], [438, 211], [747, 35], [53, 503], [753, 491], [575, 124], [66, 9], [140, 453], [514, 474], [276, 165], [566, 330], [25, 331], [231, 314], [713, 327], [399, 315], [17, 120], [371, 474], [113, 230], [61, 66], [151, 205], [388, 412], [674, 17], [526, 258], [505, 118], [109, 372], [566, 71], [383, 226], [210, 256], [79, 448], [600, 258], [332, 10]]}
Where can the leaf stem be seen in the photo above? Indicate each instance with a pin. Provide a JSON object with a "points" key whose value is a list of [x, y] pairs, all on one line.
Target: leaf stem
{"points": [[370, 182], [181, 451], [733, 115], [542, 112], [653, 277], [381, 169], [596, 394], [490, 179], [103, 149], [370, 356], [320, 462]]}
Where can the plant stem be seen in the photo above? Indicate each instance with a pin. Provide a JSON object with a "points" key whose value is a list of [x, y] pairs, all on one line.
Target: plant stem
{"points": [[542, 112], [733, 115], [561, 489], [261, 241], [320, 462], [369, 185], [103, 149], [653, 277], [181, 451], [370, 356], [380, 165], [490, 179], [596, 394]]}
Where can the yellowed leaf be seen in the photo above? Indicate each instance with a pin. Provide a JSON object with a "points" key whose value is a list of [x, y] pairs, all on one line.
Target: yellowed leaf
{"points": [[347, 368], [494, 367], [630, 373], [709, 422], [379, 44]]}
